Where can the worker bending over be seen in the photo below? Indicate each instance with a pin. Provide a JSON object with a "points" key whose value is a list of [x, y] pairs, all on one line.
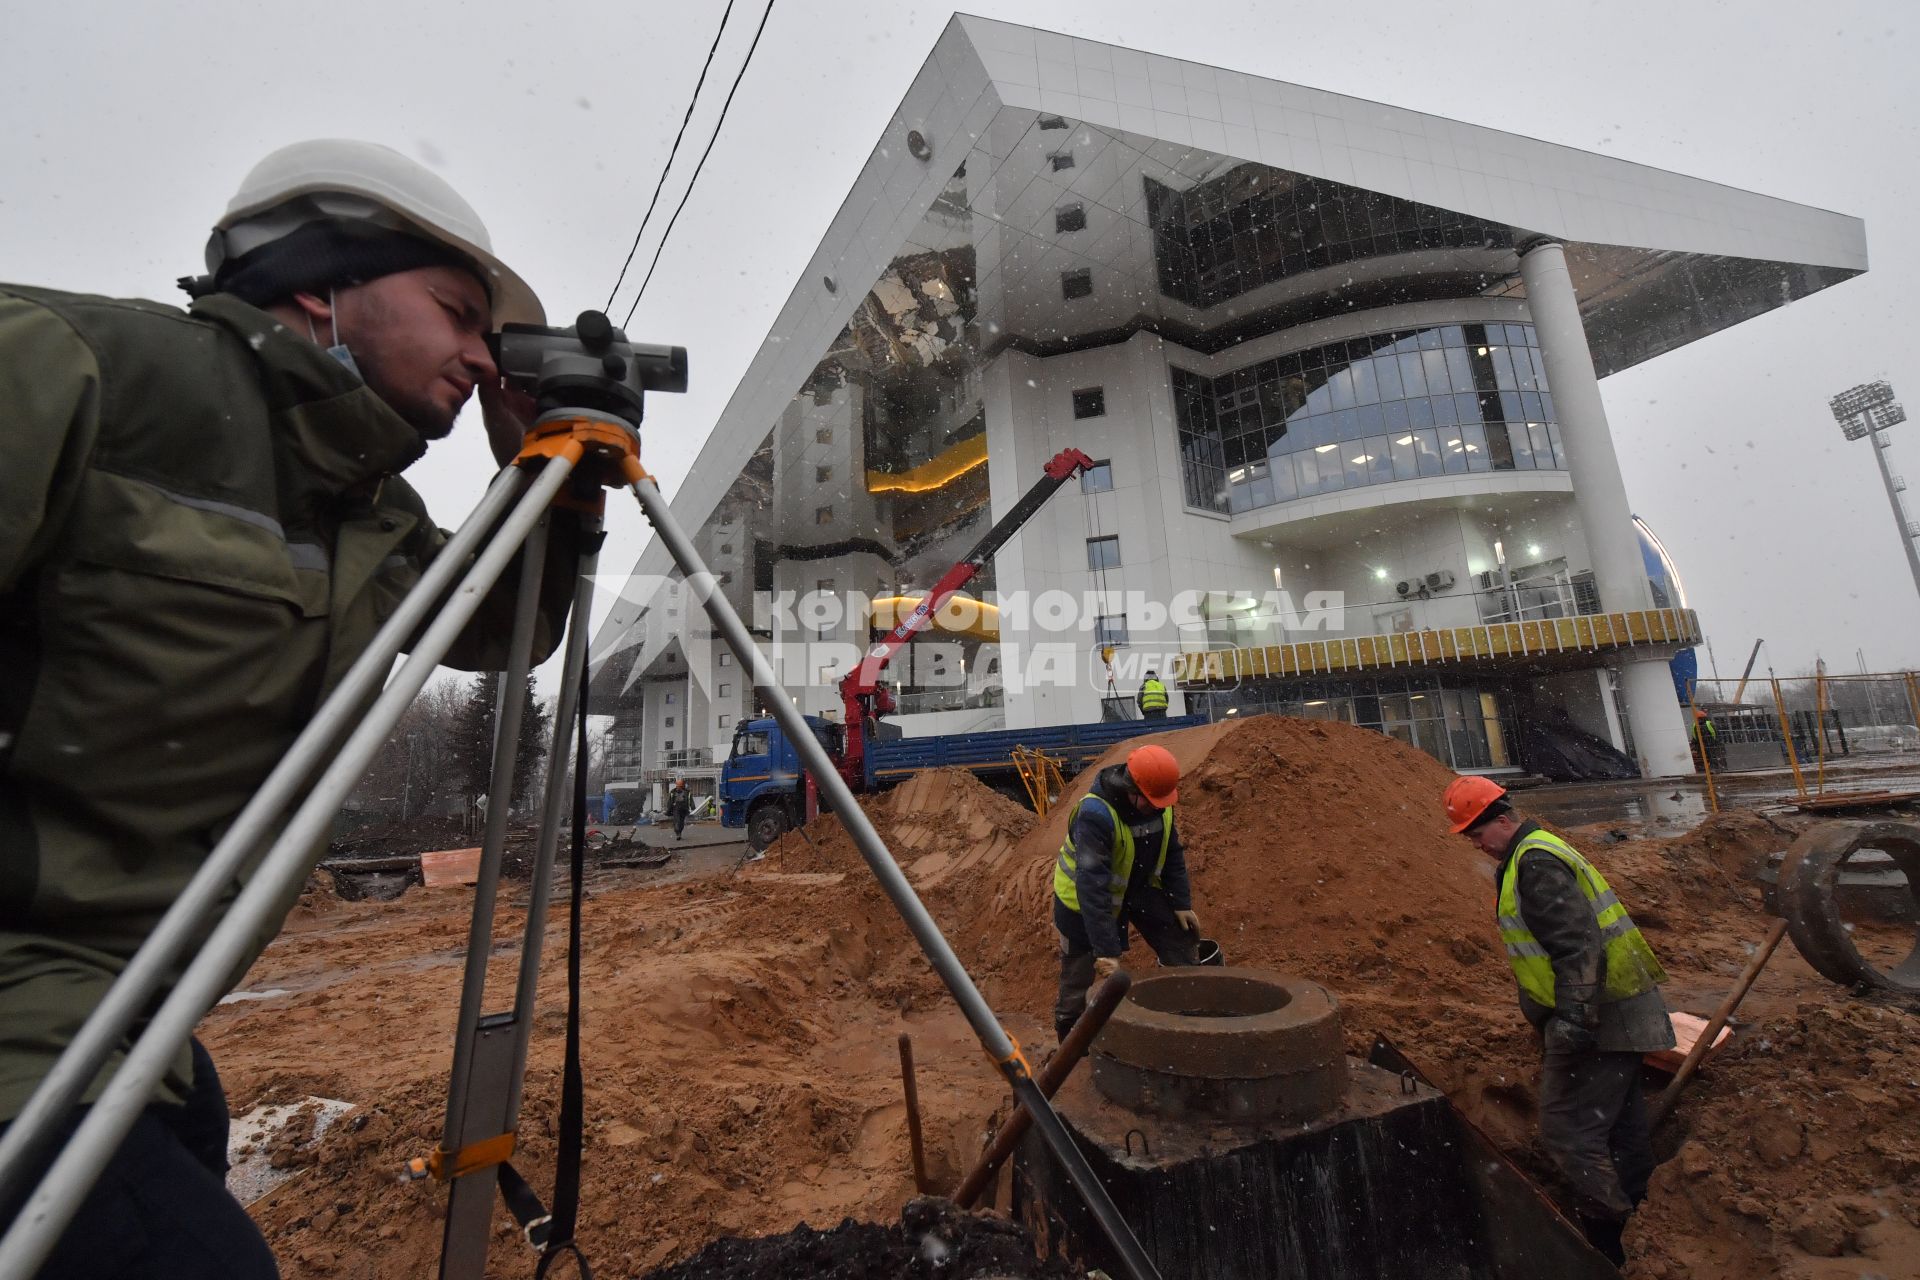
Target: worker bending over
{"points": [[1121, 864], [1589, 983]]}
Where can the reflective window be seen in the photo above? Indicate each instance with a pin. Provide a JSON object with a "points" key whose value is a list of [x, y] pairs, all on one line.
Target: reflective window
{"points": [[726, 691], [1077, 283], [1110, 628], [722, 722], [1448, 400], [1090, 402], [749, 743], [823, 515], [1253, 225], [1097, 478], [822, 474], [1103, 553], [1069, 217]]}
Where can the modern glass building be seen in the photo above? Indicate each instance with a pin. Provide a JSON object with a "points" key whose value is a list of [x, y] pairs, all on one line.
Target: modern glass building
{"points": [[1336, 361]]}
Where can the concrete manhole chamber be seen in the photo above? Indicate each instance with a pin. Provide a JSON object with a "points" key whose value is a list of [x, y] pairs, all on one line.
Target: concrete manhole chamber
{"points": [[1234, 1133], [1230, 1044]]}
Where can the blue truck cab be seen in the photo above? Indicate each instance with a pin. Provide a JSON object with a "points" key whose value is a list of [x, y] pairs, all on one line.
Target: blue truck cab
{"points": [[761, 781]]}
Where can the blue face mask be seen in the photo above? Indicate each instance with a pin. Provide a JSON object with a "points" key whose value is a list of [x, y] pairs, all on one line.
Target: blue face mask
{"points": [[345, 357], [339, 349]]}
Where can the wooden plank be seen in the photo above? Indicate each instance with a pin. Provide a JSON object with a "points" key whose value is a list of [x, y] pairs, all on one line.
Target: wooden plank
{"points": [[449, 866]]}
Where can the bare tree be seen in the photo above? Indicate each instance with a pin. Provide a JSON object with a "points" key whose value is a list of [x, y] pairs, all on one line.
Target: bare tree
{"points": [[415, 771]]}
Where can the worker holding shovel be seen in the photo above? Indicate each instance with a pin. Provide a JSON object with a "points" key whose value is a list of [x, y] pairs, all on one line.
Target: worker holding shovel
{"points": [[1589, 983], [1121, 863]]}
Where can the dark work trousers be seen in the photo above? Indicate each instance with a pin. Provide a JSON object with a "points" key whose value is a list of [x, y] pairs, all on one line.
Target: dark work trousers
{"points": [[1158, 713], [161, 1210], [1593, 1122], [679, 824], [1149, 912]]}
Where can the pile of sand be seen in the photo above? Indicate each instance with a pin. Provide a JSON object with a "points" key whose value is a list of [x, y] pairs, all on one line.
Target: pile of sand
{"points": [[1804, 1146], [740, 1030]]}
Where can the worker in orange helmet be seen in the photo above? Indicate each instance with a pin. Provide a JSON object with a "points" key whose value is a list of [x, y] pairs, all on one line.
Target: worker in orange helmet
{"points": [[1121, 864], [1590, 984]]}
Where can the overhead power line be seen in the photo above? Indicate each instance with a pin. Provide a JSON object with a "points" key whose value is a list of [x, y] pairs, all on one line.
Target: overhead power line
{"points": [[717, 125], [672, 152]]}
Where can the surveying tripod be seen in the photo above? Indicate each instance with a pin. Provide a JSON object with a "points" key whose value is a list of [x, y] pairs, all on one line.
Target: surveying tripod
{"points": [[588, 385]]}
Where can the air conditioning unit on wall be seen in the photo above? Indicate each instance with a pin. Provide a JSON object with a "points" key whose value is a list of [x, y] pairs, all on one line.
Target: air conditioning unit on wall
{"points": [[1404, 588], [1440, 580]]}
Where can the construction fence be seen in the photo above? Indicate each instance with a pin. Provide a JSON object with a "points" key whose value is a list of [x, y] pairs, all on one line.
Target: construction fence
{"points": [[1806, 723]]}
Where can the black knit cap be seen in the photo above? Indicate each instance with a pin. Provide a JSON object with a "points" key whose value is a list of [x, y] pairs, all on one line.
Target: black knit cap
{"points": [[325, 255]]}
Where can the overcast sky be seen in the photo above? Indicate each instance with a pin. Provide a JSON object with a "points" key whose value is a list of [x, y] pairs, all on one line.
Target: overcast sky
{"points": [[127, 127]]}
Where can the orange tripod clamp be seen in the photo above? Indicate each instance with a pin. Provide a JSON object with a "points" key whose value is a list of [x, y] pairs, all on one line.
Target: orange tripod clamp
{"points": [[443, 1165], [604, 454], [1015, 1064]]}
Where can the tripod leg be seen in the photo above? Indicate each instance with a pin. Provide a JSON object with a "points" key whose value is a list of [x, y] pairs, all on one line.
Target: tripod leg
{"points": [[553, 811], [52, 1204], [482, 1047], [986, 1027], [127, 1000]]}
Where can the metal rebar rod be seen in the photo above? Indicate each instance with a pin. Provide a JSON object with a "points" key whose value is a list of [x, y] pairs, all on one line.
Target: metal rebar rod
{"points": [[916, 1148], [893, 882], [1106, 998], [1670, 1096], [23, 1141], [508, 714], [1786, 736], [1700, 740], [52, 1204]]}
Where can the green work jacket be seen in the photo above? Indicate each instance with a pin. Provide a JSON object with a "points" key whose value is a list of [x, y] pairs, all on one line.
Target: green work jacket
{"points": [[201, 527]]}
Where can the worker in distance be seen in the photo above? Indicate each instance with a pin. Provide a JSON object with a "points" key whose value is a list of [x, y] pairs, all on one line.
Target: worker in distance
{"points": [[202, 525], [1590, 984], [1121, 864]]}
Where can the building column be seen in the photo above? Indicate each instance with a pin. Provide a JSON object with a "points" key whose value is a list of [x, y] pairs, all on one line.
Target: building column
{"points": [[1600, 499]]}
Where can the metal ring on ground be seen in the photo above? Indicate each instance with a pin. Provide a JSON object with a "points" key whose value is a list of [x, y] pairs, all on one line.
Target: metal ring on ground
{"points": [[1808, 877]]}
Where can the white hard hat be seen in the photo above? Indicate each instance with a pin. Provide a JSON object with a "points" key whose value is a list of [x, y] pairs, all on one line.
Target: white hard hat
{"points": [[338, 178]]}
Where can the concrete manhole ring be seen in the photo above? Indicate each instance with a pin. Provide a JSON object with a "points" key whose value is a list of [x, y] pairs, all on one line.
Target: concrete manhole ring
{"points": [[1808, 877], [1232, 1043]]}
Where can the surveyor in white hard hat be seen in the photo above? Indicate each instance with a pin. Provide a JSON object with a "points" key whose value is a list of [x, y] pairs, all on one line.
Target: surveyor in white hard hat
{"points": [[201, 526]]}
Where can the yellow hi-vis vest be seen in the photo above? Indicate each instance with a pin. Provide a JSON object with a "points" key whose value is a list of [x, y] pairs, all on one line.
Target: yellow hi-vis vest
{"points": [[1121, 865], [1153, 696], [1631, 966]]}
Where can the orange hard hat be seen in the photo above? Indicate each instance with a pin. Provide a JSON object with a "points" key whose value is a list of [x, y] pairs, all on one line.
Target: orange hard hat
{"points": [[1467, 798], [1156, 773]]}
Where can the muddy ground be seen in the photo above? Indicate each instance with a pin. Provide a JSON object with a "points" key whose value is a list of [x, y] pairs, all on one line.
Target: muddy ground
{"points": [[740, 1053]]}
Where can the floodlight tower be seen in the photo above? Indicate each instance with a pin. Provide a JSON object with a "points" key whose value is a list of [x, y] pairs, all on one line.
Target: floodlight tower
{"points": [[1864, 413]]}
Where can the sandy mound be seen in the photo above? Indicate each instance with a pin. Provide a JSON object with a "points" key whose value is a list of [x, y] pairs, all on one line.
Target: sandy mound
{"points": [[740, 1029], [1805, 1146]]}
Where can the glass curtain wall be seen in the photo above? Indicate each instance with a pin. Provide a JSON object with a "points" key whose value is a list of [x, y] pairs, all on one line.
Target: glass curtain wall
{"points": [[1394, 405]]}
